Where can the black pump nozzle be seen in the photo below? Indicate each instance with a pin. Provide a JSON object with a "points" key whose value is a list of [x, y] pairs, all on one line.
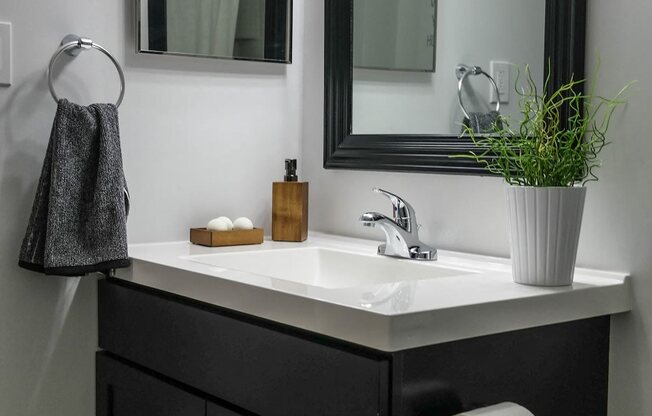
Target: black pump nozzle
{"points": [[291, 170]]}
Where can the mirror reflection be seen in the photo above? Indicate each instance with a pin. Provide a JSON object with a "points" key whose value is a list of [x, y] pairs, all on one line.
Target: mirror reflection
{"points": [[499, 36], [237, 29], [394, 34]]}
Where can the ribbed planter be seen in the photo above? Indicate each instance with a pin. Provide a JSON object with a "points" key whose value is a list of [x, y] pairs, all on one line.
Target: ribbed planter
{"points": [[544, 229]]}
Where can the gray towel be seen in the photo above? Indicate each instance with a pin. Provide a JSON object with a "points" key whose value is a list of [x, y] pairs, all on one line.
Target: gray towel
{"points": [[79, 218], [482, 122]]}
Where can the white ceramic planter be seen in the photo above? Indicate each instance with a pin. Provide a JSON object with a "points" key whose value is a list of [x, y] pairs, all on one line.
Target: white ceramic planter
{"points": [[544, 229]]}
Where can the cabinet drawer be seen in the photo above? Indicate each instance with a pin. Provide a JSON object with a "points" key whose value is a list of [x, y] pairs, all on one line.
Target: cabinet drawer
{"points": [[125, 391], [256, 367]]}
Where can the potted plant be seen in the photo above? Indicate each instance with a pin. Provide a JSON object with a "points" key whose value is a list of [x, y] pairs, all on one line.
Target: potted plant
{"points": [[546, 165]]}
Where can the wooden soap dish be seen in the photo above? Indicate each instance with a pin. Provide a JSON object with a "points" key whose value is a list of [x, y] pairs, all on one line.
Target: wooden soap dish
{"points": [[208, 238]]}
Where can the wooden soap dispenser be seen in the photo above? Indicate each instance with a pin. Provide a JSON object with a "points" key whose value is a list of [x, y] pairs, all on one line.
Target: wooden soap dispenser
{"points": [[290, 206]]}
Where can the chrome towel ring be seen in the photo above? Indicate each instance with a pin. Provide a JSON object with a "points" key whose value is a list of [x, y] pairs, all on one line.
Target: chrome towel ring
{"points": [[462, 71], [73, 45]]}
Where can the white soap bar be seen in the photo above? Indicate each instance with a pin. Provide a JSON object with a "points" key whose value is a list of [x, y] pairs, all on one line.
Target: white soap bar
{"points": [[243, 223], [220, 224]]}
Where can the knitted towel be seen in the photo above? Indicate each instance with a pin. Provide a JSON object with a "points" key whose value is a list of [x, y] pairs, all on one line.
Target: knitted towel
{"points": [[78, 223], [483, 122]]}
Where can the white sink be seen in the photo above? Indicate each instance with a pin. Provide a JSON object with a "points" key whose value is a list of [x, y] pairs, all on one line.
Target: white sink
{"points": [[328, 268], [339, 287]]}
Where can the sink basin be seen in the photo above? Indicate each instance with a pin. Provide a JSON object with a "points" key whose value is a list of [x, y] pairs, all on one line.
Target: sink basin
{"points": [[328, 268]]}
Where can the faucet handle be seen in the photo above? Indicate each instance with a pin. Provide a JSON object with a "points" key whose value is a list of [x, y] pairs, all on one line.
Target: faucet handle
{"points": [[402, 212]]}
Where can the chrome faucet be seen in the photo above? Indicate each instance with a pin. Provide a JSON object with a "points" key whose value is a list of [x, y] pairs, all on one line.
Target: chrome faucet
{"points": [[401, 232]]}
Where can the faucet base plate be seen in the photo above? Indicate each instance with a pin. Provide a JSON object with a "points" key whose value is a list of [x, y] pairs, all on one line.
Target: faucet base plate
{"points": [[415, 253]]}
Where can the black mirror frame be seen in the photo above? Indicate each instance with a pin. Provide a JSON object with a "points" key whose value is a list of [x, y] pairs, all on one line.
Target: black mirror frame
{"points": [[565, 29]]}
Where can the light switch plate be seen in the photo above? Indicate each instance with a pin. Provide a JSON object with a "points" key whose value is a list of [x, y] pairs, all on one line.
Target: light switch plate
{"points": [[5, 53], [500, 73]]}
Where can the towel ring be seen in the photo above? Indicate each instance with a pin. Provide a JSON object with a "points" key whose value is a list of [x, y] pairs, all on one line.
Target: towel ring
{"points": [[73, 45], [462, 71]]}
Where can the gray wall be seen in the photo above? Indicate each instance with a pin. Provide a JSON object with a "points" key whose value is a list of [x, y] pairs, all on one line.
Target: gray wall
{"points": [[467, 213], [201, 138]]}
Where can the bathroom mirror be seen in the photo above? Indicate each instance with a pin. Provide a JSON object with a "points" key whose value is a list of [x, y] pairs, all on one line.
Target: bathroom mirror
{"points": [[403, 120], [255, 30]]}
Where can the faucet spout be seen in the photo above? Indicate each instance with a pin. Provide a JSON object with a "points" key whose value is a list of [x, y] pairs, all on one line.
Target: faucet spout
{"points": [[370, 219]]}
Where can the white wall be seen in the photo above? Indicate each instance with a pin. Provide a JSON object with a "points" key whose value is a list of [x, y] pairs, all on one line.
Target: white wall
{"points": [[467, 213], [473, 32], [200, 138]]}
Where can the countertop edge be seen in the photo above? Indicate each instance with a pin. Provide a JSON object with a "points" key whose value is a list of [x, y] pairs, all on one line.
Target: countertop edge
{"points": [[387, 333]]}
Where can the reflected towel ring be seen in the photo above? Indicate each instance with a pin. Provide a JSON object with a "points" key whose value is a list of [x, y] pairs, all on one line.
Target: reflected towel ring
{"points": [[462, 71], [73, 45]]}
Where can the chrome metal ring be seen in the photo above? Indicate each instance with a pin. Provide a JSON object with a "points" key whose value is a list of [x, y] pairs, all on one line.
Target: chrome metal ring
{"points": [[462, 71], [80, 44]]}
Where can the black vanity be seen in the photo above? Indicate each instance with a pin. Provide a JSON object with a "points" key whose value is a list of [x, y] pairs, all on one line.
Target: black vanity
{"points": [[167, 355]]}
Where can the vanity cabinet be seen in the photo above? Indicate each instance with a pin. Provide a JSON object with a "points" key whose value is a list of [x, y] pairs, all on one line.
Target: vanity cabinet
{"points": [[166, 355]]}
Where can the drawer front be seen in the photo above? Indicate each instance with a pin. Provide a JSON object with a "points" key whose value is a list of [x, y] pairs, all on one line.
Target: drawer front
{"points": [[125, 391], [263, 370]]}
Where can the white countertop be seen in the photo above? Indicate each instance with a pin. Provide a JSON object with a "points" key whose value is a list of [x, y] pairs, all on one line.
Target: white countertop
{"points": [[387, 316]]}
